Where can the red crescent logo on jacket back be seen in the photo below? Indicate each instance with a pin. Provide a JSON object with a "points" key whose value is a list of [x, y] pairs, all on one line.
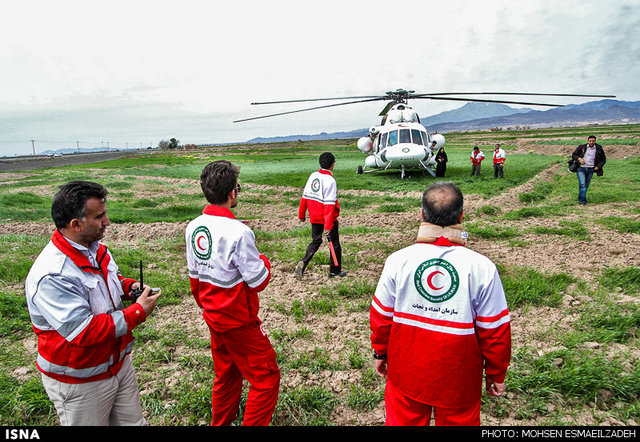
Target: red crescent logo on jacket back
{"points": [[201, 242]]}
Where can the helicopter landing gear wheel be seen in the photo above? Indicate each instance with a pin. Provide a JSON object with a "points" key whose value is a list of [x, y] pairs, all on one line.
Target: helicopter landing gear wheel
{"points": [[359, 170]]}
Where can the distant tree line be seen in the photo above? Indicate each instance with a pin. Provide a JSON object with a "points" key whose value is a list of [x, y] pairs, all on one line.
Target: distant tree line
{"points": [[168, 145], [517, 127]]}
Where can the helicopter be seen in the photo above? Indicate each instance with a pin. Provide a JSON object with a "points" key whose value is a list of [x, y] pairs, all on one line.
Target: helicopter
{"points": [[400, 141]]}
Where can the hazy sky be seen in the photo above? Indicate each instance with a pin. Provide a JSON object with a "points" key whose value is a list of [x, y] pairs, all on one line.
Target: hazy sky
{"points": [[135, 72]]}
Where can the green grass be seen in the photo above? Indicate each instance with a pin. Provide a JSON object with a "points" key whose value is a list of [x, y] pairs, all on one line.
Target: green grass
{"points": [[577, 376], [24, 403], [627, 279], [14, 315], [305, 407], [620, 224], [611, 322], [18, 254], [525, 286], [485, 231], [573, 229]]}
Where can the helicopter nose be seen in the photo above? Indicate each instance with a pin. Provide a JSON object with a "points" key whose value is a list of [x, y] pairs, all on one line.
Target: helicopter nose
{"points": [[406, 152]]}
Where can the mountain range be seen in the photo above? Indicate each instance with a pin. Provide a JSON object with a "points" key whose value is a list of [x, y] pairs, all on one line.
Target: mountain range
{"points": [[475, 116]]}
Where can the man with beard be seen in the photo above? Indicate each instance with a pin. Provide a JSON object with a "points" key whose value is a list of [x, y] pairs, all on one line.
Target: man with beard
{"points": [[74, 294], [591, 157]]}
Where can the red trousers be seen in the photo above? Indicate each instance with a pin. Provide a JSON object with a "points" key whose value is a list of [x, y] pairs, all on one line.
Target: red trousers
{"points": [[243, 352], [404, 411]]}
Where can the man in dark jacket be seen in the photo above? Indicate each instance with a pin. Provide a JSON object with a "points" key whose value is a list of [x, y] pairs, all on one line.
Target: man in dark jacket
{"points": [[592, 158]]}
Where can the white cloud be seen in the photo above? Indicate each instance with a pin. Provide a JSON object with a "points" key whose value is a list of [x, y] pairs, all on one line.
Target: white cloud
{"points": [[158, 62]]}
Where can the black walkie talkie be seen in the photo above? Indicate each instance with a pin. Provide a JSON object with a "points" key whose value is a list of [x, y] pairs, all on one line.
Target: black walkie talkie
{"points": [[135, 293]]}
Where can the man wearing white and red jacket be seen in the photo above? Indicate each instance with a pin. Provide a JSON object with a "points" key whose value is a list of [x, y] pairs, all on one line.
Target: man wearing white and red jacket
{"points": [[320, 198], [476, 161], [439, 319], [74, 294], [498, 161], [226, 272]]}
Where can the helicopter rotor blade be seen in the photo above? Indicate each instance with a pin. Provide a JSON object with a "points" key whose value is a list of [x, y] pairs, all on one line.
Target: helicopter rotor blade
{"points": [[319, 99], [309, 109], [384, 111], [478, 100], [511, 93], [402, 95]]}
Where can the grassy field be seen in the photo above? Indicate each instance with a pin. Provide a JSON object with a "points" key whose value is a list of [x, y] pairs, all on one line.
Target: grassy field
{"points": [[570, 273]]}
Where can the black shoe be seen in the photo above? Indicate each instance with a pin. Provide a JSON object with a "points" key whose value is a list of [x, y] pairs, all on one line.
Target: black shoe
{"points": [[299, 270], [340, 274]]}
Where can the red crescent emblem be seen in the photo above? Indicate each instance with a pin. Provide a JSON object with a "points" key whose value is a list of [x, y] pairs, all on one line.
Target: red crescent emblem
{"points": [[198, 242], [430, 277]]}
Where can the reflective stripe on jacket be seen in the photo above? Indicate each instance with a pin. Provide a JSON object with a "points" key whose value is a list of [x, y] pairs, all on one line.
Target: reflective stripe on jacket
{"points": [[226, 271], [320, 197], [440, 315], [77, 313]]}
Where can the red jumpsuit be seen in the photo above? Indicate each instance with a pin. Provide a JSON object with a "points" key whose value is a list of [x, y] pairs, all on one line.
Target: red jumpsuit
{"points": [[226, 272], [440, 315]]}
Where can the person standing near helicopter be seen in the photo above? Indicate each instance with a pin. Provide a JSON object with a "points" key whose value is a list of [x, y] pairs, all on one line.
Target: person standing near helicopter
{"points": [[476, 160], [441, 162], [498, 161], [320, 199]]}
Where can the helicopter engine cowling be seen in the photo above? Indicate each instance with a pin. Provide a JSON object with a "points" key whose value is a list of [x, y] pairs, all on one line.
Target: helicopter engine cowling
{"points": [[365, 144], [401, 113], [439, 139], [373, 161]]}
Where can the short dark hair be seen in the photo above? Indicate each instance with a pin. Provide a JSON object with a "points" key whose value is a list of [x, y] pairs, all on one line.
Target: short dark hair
{"points": [[326, 160], [591, 136], [442, 204], [71, 199], [218, 179]]}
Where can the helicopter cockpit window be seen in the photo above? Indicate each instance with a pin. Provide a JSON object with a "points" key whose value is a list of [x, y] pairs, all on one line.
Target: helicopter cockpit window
{"points": [[405, 136], [383, 141], [393, 138], [415, 134]]}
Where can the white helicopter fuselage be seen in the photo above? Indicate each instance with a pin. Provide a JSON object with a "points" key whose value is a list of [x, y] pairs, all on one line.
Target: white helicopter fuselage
{"points": [[400, 142]]}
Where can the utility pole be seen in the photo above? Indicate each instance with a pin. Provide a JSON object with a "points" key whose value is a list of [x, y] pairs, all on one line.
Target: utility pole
{"points": [[33, 145], [78, 146]]}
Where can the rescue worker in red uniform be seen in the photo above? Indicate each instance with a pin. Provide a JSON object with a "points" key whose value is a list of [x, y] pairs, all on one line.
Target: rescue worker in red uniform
{"points": [[75, 296], [226, 272], [498, 161], [476, 161], [320, 199], [439, 320]]}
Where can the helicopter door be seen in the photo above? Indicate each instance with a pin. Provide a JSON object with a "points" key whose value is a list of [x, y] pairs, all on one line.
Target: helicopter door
{"points": [[383, 141]]}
